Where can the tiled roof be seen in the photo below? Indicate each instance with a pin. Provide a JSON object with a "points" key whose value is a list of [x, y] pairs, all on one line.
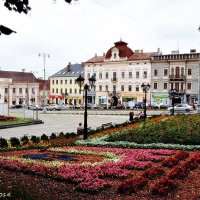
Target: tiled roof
{"points": [[142, 56], [18, 77], [96, 59], [71, 70], [124, 51]]}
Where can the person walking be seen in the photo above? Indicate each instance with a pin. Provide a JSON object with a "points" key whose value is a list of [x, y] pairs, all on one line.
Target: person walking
{"points": [[131, 115], [80, 129]]}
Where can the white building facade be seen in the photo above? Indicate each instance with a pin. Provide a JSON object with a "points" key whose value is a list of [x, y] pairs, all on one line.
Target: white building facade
{"points": [[119, 74], [18, 88]]}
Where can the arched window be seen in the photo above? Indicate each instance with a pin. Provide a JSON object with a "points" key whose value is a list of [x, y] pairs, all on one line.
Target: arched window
{"points": [[115, 55], [172, 71], [182, 71], [177, 75]]}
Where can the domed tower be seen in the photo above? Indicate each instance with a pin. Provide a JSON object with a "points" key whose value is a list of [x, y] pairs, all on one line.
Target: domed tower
{"points": [[119, 52]]}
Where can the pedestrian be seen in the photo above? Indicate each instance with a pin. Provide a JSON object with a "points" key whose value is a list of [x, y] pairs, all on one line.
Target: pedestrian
{"points": [[80, 129], [131, 115], [141, 115]]}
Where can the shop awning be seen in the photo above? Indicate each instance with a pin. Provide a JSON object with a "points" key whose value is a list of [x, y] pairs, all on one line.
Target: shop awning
{"points": [[56, 97]]}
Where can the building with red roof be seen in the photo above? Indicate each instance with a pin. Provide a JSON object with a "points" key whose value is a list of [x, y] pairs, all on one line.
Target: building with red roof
{"points": [[119, 74]]}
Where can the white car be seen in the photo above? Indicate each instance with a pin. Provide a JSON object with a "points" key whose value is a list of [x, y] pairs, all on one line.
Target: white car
{"points": [[53, 107], [181, 108]]}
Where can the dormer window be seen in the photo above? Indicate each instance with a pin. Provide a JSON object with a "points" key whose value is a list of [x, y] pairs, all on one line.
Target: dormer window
{"points": [[115, 54]]}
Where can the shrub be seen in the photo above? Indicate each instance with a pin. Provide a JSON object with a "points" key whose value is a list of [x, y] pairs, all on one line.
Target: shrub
{"points": [[53, 136], [35, 139], [24, 140], [132, 185], [3, 143], [44, 137], [178, 173], [152, 173], [61, 135], [163, 187], [14, 142], [170, 162], [182, 155]]}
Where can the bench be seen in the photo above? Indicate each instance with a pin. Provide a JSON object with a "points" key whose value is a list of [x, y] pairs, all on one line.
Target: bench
{"points": [[107, 125]]}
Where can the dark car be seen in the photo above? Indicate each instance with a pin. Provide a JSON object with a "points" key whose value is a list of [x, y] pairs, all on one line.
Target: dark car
{"points": [[139, 105], [16, 106]]}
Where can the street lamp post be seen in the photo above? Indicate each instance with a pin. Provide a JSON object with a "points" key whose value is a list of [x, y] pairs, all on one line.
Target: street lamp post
{"points": [[145, 88], [198, 103], [44, 55], [172, 94], [86, 88]]}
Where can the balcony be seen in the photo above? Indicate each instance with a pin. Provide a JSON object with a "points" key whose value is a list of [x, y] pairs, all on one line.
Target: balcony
{"points": [[114, 79], [177, 77]]}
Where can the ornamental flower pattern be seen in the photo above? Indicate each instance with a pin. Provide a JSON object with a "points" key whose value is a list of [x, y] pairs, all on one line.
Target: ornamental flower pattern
{"points": [[88, 176]]}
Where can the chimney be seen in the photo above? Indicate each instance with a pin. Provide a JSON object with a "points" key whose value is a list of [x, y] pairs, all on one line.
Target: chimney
{"points": [[23, 70], [69, 67]]}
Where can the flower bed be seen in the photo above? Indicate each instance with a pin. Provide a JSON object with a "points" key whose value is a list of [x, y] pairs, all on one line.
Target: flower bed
{"points": [[115, 163]]}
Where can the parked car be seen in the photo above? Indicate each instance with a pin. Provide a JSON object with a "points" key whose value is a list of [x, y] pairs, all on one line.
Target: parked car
{"points": [[16, 106], [35, 107], [67, 106], [163, 106], [139, 105], [181, 108], [53, 107]]}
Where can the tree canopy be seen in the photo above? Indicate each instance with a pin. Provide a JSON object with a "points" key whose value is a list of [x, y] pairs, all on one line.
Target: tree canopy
{"points": [[20, 6]]}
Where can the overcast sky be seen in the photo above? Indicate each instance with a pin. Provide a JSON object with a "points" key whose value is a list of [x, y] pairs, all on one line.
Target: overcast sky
{"points": [[74, 33]]}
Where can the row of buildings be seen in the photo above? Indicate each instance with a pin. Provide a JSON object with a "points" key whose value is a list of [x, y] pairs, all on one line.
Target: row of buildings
{"points": [[119, 74]]}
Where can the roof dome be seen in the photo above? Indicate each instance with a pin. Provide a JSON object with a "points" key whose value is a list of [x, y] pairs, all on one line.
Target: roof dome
{"points": [[124, 51]]}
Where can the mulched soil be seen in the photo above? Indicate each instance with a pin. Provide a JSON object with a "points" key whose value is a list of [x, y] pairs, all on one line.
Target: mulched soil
{"points": [[41, 188]]}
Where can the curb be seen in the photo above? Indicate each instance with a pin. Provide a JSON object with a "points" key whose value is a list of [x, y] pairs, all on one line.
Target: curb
{"points": [[22, 124]]}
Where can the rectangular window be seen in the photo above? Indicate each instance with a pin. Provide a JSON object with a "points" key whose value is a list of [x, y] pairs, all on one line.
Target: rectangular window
{"points": [[13, 90], [130, 88], [130, 74], [70, 81], [20, 90], [6, 90], [165, 72], [100, 88], [88, 75], [114, 75], [155, 72], [26, 90], [65, 81], [137, 89], [123, 74], [33, 91], [106, 87], [137, 74], [61, 81], [52, 81], [65, 91], [189, 86], [122, 88], [75, 91], [56, 90], [56, 81], [189, 72], [145, 74], [100, 75], [165, 86], [70, 90], [53, 90], [114, 87], [61, 91], [155, 86], [106, 75]]}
